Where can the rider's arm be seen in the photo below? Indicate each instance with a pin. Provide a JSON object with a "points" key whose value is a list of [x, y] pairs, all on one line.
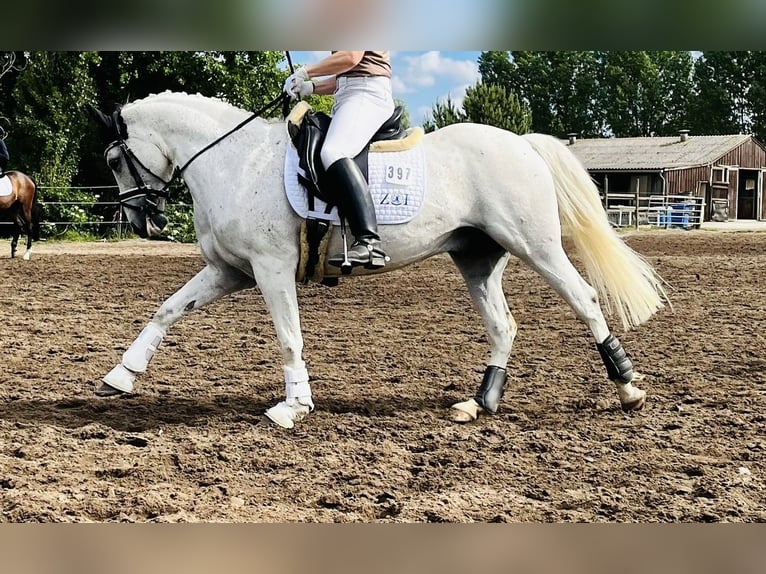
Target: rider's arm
{"points": [[335, 64], [325, 87]]}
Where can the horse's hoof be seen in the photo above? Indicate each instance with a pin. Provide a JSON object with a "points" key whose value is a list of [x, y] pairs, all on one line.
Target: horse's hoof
{"points": [[27, 256], [465, 412], [631, 398], [106, 391], [285, 415], [120, 379], [635, 405]]}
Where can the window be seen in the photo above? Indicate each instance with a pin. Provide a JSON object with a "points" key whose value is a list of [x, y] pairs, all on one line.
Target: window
{"points": [[720, 174]]}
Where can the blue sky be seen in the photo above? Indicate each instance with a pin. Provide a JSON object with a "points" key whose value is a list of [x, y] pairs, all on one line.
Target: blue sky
{"points": [[420, 79]]}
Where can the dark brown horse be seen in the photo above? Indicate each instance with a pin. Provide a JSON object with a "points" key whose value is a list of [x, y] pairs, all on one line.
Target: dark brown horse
{"points": [[25, 211]]}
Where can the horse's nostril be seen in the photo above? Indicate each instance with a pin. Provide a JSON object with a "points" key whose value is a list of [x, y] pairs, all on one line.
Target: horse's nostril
{"points": [[113, 163]]}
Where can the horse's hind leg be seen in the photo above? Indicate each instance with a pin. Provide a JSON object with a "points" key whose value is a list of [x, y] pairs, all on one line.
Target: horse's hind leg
{"points": [[556, 268], [28, 230], [15, 237], [483, 274], [208, 285]]}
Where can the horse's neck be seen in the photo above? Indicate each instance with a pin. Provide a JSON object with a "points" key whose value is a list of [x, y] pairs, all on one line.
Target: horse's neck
{"points": [[187, 129], [187, 124]]}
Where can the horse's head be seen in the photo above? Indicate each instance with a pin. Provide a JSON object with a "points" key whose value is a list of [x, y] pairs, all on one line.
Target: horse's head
{"points": [[142, 172]]}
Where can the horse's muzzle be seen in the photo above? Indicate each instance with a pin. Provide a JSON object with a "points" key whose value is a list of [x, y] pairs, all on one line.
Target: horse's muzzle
{"points": [[155, 223], [148, 225]]}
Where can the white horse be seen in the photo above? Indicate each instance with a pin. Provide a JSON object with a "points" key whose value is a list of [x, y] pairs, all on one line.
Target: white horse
{"points": [[490, 193]]}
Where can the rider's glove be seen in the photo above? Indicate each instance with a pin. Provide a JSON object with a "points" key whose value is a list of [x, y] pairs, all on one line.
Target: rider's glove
{"points": [[295, 84], [304, 89]]}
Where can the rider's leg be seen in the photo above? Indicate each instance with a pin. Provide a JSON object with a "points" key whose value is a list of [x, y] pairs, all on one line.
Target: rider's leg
{"points": [[356, 205], [361, 107]]}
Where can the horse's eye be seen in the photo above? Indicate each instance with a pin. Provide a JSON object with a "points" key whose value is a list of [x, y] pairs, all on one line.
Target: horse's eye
{"points": [[114, 163]]}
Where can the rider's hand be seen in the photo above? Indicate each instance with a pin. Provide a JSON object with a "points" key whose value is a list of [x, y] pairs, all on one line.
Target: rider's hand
{"points": [[294, 82], [302, 90]]}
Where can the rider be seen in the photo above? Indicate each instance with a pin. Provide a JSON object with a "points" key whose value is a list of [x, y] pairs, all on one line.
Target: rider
{"points": [[361, 84], [3, 157]]}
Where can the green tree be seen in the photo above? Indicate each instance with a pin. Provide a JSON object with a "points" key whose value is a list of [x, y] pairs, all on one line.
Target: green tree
{"points": [[646, 93], [557, 87], [49, 125], [443, 113], [757, 94], [721, 97], [406, 123], [494, 105], [11, 64], [573, 85], [497, 68]]}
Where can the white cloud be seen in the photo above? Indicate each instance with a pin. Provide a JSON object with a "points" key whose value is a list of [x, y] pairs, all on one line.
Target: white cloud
{"points": [[399, 87], [456, 95], [423, 70]]}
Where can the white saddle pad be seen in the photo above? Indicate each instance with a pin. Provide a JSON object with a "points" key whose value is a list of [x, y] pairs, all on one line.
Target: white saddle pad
{"points": [[5, 186], [397, 183]]}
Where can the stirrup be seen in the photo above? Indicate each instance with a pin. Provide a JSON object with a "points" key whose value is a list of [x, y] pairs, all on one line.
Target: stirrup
{"points": [[372, 258], [376, 257]]}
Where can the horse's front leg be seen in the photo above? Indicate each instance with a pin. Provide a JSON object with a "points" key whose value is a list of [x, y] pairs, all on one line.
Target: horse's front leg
{"points": [[208, 285], [277, 284]]}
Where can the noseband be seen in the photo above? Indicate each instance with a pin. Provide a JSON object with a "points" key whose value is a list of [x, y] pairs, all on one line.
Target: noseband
{"points": [[135, 167]]}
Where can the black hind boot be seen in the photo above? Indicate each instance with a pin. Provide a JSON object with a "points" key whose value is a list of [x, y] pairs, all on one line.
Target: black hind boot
{"points": [[347, 183]]}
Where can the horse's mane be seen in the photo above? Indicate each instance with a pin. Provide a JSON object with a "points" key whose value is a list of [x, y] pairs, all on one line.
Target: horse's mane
{"points": [[215, 107]]}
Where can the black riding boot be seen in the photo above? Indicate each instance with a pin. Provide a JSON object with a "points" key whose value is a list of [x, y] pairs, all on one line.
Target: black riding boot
{"points": [[347, 183]]}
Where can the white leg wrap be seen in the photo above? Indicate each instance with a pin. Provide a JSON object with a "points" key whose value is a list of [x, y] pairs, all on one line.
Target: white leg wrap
{"points": [[298, 403], [138, 355], [297, 388]]}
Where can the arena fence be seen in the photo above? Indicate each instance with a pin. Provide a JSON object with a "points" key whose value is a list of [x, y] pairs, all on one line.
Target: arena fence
{"points": [[106, 219], [663, 211], [99, 218]]}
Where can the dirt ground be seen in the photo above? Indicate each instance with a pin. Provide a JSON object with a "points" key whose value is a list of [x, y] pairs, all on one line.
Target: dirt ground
{"points": [[191, 445]]}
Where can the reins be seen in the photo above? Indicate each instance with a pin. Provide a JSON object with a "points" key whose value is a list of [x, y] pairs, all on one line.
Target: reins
{"points": [[179, 170], [281, 98], [131, 158]]}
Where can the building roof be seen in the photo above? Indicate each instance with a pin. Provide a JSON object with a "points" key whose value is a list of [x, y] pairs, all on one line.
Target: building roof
{"points": [[653, 153]]}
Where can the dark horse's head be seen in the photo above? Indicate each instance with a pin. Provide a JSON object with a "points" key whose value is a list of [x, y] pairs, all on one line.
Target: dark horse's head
{"points": [[142, 172]]}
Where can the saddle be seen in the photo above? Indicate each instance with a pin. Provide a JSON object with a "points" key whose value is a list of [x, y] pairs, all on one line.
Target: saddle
{"points": [[308, 130], [6, 187]]}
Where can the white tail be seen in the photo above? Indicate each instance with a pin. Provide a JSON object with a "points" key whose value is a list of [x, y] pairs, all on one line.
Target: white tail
{"points": [[626, 283]]}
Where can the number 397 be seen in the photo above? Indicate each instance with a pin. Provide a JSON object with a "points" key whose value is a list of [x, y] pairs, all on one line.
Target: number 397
{"points": [[397, 173]]}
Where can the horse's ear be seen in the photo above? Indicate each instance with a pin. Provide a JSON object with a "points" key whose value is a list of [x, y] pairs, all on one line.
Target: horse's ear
{"points": [[100, 117], [119, 124]]}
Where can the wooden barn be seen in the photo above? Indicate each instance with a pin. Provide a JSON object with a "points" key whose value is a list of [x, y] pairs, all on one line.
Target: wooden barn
{"points": [[725, 172]]}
